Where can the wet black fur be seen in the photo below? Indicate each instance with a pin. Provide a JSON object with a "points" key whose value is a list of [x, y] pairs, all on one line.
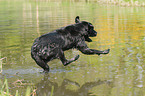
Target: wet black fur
{"points": [[53, 44]]}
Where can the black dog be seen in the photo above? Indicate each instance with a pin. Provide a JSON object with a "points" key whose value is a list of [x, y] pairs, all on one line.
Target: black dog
{"points": [[51, 45]]}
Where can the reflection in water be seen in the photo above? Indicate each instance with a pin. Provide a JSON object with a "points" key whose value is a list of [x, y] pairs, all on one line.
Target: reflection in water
{"points": [[44, 87]]}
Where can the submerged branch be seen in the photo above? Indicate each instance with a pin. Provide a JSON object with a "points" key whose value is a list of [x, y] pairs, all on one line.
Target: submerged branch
{"points": [[3, 58], [1, 63]]}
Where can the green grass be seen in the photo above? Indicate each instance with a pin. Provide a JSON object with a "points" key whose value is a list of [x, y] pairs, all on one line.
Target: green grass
{"points": [[4, 90], [52, 91]]}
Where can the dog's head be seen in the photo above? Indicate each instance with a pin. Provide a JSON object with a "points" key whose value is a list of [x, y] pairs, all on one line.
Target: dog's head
{"points": [[87, 29]]}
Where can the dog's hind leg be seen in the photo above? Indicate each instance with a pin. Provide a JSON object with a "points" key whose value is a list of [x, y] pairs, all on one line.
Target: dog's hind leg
{"points": [[64, 60], [41, 63]]}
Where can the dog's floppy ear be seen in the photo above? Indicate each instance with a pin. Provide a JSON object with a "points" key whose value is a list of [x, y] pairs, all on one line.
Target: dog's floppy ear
{"points": [[77, 20]]}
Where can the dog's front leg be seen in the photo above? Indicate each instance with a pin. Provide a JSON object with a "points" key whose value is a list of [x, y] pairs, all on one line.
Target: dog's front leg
{"points": [[84, 49], [64, 60], [93, 51]]}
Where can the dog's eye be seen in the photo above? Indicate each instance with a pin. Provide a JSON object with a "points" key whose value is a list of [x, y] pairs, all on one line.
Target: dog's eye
{"points": [[91, 27]]}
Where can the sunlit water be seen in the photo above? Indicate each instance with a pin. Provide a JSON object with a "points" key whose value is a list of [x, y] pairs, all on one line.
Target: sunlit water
{"points": [[119, 73]]}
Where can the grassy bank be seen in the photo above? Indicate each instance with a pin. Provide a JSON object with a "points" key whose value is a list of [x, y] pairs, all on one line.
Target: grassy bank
{"points": [[137, 3], [127, 3], [134, 3]]}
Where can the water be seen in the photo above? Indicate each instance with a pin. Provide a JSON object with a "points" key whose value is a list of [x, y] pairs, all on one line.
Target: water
{"points": [[119, 73]]}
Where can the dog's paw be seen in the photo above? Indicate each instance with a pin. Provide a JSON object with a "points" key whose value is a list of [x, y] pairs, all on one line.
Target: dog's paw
{"points": [[46, 71], [106, 51], [76, 57]]}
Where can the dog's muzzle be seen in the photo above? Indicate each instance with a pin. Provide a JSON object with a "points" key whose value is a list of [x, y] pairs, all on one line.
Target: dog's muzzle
{"points": [[93, 34]]}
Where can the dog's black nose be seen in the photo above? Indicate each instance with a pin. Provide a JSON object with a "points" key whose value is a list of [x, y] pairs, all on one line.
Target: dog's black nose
{"points": [[95, 33]]}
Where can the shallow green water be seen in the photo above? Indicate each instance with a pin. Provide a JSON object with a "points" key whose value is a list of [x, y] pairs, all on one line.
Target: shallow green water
{"points": [[119, 73]]}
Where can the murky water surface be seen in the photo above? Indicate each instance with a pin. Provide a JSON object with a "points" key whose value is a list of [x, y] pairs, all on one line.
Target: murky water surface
{"points": [[119, 73]]}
